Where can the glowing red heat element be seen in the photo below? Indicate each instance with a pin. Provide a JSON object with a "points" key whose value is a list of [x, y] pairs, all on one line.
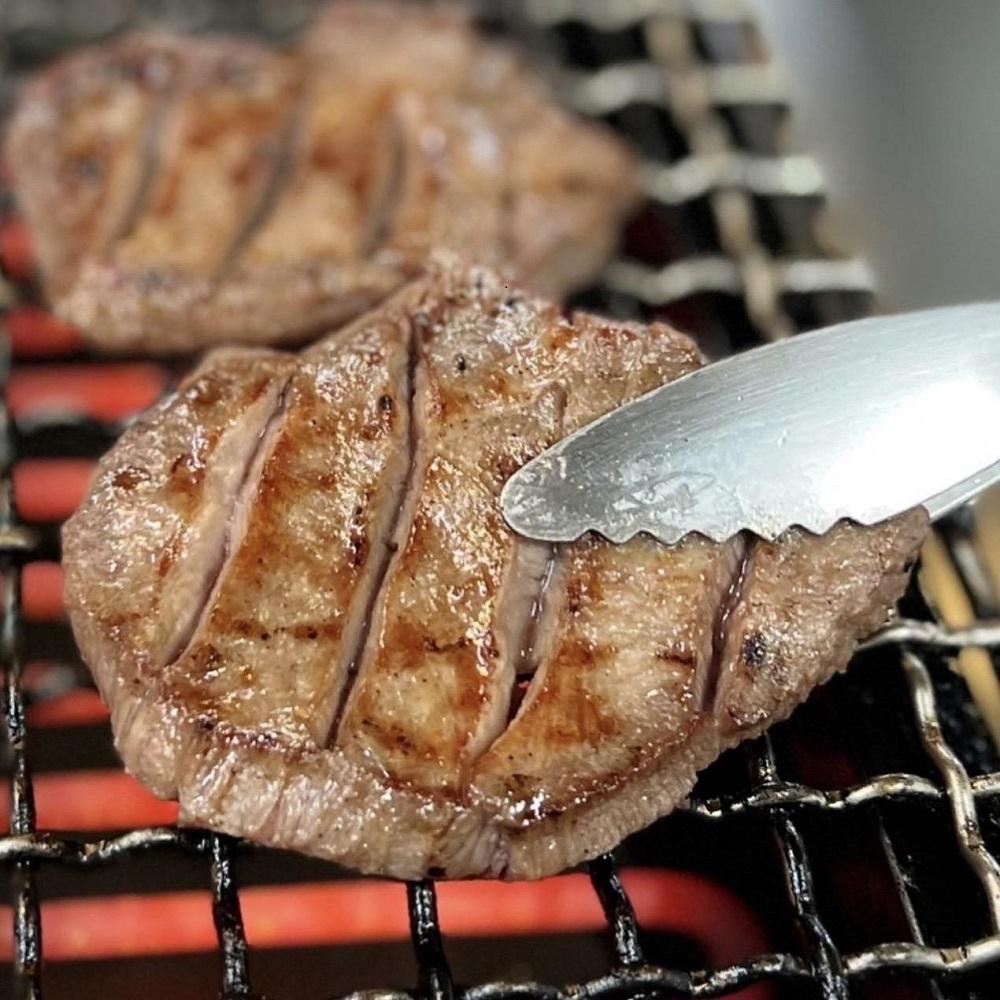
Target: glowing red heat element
{"points": [[358, 912], [50, 489], [104, 392], [17, 252], [77, 708], [41, 592], [94, 800], [35, 333]]}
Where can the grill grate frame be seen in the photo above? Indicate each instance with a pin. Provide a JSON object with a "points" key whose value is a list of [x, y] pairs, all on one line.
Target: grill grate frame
{"points": [[701, 67]]}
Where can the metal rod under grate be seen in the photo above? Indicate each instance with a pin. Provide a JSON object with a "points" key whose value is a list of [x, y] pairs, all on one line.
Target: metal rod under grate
{"points": [[662, 71]]}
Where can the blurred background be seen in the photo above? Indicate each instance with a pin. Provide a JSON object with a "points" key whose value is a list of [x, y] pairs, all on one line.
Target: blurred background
{"points": [[900, 102]]}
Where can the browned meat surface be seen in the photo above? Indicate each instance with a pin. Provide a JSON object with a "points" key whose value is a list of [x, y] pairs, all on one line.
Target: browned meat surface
{"points": [[190, 191], [295, 589]]}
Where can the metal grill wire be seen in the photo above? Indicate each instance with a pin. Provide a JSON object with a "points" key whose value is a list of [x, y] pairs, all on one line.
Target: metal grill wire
{"points": [[711, 92]]}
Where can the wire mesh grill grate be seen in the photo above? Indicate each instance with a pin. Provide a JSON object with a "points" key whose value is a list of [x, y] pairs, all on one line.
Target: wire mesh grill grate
{"points": [[674, 75]]}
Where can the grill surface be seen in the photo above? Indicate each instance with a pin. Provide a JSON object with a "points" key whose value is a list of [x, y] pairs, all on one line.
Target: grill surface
{"points": [[730, 245]]}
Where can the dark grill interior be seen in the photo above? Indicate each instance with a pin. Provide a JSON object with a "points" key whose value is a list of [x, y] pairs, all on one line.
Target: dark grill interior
{"points": [[864, 831]]}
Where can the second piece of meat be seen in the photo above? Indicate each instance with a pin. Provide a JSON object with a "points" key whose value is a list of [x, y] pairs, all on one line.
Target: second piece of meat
{"points": [[184, 192]]}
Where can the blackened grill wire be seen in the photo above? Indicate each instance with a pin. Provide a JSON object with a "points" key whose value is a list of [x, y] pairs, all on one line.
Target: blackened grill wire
{"points": [[15, 542], [698, 93]]}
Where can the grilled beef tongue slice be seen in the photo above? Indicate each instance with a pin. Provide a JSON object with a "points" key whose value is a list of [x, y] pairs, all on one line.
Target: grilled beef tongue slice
{"points": [[187, 191], [295, 589]]}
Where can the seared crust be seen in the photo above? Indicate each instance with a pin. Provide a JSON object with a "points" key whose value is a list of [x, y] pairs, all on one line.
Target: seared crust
{"points": [[214, 191], [343, 681]]}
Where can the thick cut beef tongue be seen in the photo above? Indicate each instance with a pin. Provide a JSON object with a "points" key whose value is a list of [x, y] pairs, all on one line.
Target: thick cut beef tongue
{"points": [[280, 628], [165, 506], [435, 681], [295, 588]]}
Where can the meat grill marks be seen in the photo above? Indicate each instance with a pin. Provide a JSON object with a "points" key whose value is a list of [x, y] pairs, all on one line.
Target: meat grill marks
{"points": [[236, 489], [217, 160], [283, 625], [218, 164], [171, 492], [267, 197], [348, 688], [437, 679]]}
